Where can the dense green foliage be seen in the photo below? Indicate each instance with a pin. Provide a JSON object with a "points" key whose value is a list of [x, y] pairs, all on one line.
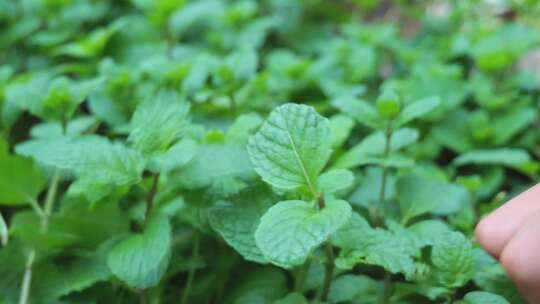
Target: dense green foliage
{"points": [[274, 151]]}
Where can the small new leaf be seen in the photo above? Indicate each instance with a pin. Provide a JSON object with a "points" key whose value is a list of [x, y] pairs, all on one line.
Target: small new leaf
{"points": [[158, 123], [417, 109]]}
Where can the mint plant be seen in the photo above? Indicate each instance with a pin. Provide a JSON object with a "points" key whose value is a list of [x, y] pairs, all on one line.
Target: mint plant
{"points": [[265, 151]]}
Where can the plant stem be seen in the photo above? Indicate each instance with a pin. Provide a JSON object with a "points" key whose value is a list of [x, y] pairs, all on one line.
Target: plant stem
{"points": [[46, 214], [300, 278], [150, 198], [328, 270], [387, 287], [27, 278], [191, 273], [4, 233], [329, 263], [49, 200], [143, 296], [384, 176]]}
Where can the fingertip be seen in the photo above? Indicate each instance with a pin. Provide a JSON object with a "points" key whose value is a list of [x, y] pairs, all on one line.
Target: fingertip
{"points": [[519, 259], [488, 234]]}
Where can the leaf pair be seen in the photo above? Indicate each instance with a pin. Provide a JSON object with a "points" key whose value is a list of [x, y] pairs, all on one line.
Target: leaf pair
{"points": [[289, 152]]}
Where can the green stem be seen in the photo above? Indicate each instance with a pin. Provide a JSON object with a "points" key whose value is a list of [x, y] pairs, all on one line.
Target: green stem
{"points": [[384, 177], [387, 287], [27, 279], [35, 206], [49, 200], [46, 214], [192, 269], [143, 296], [4, 233], [150, 198], [301, 277], [328, 270]]}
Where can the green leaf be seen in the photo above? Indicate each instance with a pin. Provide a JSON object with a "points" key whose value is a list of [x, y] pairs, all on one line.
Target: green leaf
{"points": [[373, 145], [175, 157], [453, 259], [292, 298], [503, 156], [92, 44], [340, 128], [258, 285], [50, 98], [292, 147], [52, 281], [290, 230], [482, 297], [20, 180], [334, 181], [509, 124], [361, 244], [224, 169], [237, 222], [158, 122], [98, 164], [243, 127], [141, 260], [351, 288], [368, 193], [427, 232], [417, 109], [417, 195], [74, 128], [360, 110]]}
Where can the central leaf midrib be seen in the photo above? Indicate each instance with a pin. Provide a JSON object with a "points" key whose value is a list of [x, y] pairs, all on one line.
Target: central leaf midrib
{"points": [[298, 158]]}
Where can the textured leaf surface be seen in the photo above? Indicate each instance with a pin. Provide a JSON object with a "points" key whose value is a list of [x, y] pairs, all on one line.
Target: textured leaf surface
{"points": [[362, 244], [452, 256], [141, 260], [292, 147], [98, 164], [237, 222], [290, 230], [175, 157], [158, 122], [417, 195]]}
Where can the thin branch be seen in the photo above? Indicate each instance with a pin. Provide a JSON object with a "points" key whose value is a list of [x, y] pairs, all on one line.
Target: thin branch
{"points": [[49, 200], [328, 270], [192, 269], [27, 279], [150, 198]]}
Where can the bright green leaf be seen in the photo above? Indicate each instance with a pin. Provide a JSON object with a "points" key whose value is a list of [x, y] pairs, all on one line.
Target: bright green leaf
{"points": [[141, 260], [292, 147], [290, 230], [158, 122]]}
